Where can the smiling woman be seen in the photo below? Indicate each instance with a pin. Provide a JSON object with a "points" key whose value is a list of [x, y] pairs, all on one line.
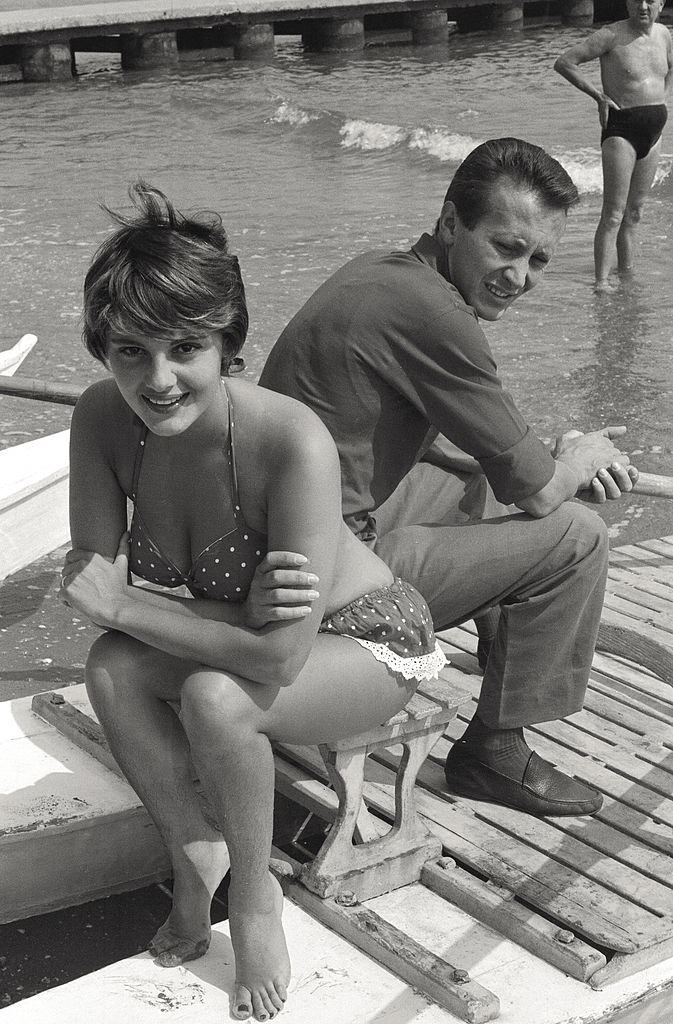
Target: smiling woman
{"points": [[236, 497]]}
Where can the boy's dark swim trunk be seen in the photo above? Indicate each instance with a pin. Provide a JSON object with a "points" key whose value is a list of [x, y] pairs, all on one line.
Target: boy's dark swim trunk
{"points": [[641, 126]]}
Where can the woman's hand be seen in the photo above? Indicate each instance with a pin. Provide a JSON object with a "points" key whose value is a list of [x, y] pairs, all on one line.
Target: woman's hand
{"points": [[280, 590], [95, 586]]}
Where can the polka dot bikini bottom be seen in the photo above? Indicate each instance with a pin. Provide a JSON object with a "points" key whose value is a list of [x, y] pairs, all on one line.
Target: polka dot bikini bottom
{"points": [[395, 625]]}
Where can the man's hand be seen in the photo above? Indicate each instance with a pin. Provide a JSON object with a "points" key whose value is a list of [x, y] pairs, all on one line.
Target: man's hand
{"points": [[95, 586], [280, 590], [598, 464], [604, 106]]}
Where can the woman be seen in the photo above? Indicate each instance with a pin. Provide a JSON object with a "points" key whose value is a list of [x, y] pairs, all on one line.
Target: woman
{"points": [[228, 482]]}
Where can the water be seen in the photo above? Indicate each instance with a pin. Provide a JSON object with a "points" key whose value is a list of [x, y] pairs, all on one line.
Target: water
{"points": [[313, 159]]}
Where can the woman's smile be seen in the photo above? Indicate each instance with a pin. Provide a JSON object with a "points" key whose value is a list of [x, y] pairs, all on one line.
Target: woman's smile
{"points": [[165, 403]]}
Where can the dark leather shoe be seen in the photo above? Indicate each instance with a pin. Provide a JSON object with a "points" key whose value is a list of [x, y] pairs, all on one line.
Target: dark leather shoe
{"points": [[542, 791]]}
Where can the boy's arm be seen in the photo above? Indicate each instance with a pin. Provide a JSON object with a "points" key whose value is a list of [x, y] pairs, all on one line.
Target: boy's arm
{"points": [[592, 48]]}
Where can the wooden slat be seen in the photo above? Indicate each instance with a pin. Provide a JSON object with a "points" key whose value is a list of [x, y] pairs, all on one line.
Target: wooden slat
{"points": [[626, 844], [476, 843], [642, 584], [412, 962], [499, 909], [638, 681], [542, 835], [643, 563], [654, 619], [642, 600], [659, 545]]}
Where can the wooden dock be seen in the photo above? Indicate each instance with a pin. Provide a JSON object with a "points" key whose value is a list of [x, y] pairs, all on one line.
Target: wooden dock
{"points": [[41, 44], [581, 906]]}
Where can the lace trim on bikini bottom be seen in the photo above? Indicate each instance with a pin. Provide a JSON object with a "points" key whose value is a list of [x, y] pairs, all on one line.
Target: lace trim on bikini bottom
{"points": [[424, 666]]}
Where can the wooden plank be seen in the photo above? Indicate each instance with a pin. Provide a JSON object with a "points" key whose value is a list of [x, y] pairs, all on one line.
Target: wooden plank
{"points": [[660, 545], [637, 680], [625, 843], [638, 562], [418, 966], [642, 643], [643, 600], [635, 792], [621, 966], [475, 843], [497, 908], [52, 707], [524, 835], [548, 834], [624, 694], [641, 584], [660, 619]]}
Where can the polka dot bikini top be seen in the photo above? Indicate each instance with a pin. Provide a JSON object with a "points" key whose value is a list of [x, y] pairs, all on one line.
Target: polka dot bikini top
{"points": [[223, 571]]}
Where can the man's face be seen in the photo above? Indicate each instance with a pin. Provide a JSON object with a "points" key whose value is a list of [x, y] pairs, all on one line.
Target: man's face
{"points": [[643, 13], [505, 253]]}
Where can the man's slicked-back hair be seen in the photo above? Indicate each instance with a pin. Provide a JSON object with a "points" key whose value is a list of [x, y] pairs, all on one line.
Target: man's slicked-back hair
{"points": [[160, 272], [520, 163]]}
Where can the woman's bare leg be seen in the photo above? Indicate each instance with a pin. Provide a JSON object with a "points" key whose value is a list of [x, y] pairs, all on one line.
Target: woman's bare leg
{"points": [[230, 723], [128, 684]]}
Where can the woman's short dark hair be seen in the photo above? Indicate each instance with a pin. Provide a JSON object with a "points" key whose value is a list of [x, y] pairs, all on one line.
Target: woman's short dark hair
{"points": [[161, 271], [524, 165]]}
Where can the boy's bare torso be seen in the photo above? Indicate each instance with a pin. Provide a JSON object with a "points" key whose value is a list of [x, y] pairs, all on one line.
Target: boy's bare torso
{"points": [[633, 65]]}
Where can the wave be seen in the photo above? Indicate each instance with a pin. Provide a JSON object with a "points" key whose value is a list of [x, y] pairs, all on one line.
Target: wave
{"points": [[445, 145], [286, 113]]}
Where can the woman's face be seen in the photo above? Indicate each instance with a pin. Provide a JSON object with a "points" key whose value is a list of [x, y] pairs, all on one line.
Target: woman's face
{"points": [[169, 382]]}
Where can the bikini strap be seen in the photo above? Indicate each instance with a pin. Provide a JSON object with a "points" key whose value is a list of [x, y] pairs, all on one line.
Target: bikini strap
{"points": [[138, 461], [232, 458]]}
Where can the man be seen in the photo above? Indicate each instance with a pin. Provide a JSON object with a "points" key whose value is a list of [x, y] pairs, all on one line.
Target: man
{"points": [[389, 352], [636, 60]]}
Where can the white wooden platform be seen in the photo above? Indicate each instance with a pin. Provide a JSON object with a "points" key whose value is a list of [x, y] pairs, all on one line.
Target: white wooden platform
{"points": [[335, 983], [563, 921], [70, 830]]}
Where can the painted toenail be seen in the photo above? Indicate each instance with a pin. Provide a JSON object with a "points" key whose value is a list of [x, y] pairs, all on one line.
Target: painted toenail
{"points": [[241, 1008]]}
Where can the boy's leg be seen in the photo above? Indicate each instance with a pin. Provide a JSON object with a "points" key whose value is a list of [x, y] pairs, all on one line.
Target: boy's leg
{"points": [[619, 159], [641, 183]]}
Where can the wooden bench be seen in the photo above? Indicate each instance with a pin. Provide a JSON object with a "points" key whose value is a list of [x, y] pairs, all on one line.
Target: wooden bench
{"points": [[355, 857]]}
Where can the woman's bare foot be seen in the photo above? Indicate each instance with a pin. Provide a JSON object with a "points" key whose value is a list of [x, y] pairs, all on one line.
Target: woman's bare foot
{"points": [[262, 959], [185, 935]]}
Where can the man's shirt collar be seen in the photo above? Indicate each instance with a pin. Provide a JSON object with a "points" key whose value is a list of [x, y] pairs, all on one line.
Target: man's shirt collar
{"points": [[428, 250]]}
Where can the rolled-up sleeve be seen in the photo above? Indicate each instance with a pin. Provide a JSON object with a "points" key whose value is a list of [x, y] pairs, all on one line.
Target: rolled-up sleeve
{"points": [[520, 471], [448, 372]]}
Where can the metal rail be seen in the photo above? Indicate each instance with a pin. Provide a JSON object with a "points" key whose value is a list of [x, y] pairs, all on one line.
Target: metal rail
{"points": [[652, 484]]}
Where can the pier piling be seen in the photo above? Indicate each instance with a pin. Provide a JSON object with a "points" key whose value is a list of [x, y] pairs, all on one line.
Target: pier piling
{"points": [[253, 41], [333, 34], [153, 50], [507, 17], [429, 28], [48, 62], [577, 12]]}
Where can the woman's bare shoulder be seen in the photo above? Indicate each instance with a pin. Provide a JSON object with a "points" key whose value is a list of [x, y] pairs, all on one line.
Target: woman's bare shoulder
{"points": [[101, 400], [102, 415], [277, 419]]}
